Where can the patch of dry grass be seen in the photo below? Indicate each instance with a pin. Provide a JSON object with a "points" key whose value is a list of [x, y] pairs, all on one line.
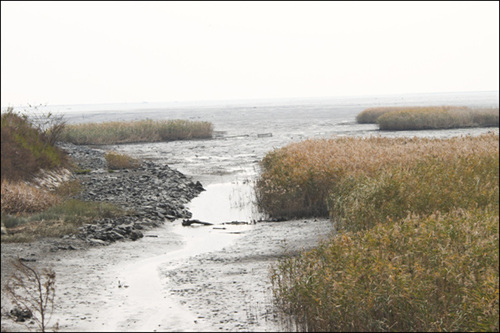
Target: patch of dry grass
{"points": [[118, 161], [21, 198], [437, 118]]}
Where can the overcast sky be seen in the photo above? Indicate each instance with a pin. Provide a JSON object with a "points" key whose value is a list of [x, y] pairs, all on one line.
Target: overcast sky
{"points": [[112, 52]]}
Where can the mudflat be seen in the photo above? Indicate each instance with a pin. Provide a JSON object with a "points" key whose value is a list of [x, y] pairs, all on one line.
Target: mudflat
{"points": [[198, 278]]}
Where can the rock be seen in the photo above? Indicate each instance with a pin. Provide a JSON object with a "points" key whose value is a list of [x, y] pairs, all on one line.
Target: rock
{"points": [[153, 193], [93, 241], [135, 235], [21, 315]]}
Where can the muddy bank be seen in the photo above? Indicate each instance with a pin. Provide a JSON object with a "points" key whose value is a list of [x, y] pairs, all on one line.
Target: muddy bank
{"points": [[230, 288]]}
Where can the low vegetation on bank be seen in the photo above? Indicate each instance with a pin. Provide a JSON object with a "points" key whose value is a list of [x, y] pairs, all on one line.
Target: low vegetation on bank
{"points": [[136, 131], [417, 243], [429, 117], [30, 211], [58, 220]]}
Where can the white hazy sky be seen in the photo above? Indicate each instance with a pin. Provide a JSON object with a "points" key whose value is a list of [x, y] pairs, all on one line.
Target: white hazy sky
{"points": [[112, 52]]}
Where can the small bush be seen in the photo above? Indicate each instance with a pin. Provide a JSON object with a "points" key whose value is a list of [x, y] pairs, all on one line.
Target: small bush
{"points": [[435, 273], [10, 221], [68, 189], [121, 161]]}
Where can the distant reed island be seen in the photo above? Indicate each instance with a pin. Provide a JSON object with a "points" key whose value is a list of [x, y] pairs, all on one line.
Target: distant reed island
{"points": [[396, 118], [119, 132]]}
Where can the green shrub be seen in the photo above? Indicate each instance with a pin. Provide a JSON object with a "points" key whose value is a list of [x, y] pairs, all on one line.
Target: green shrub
{"points": [[435, 273], [11, 221]]}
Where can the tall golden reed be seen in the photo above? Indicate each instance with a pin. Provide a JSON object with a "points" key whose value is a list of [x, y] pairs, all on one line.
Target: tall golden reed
{"points": [[296, 180]]}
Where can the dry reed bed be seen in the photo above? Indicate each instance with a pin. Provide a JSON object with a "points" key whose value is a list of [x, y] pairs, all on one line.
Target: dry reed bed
{"points": [[429, 117], [430, 185], [136, 131], [370, 115], [297, 179], [417, 244], [435, 273]]}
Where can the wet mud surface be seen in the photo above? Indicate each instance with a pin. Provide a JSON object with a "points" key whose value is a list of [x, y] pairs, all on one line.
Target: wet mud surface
{"points": [[198, 278]]}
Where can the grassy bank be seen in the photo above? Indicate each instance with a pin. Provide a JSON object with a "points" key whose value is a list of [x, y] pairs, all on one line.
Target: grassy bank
{"points": [[29, 212], [136, 131], [417, 244], [55, 221], [297, 180], [26, 149], [429, 117]]}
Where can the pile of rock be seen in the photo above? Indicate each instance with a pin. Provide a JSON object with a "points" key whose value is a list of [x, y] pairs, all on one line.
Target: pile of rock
{"points": [[152, 194]]}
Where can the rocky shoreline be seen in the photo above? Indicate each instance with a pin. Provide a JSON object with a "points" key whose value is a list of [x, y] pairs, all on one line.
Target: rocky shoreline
{"points": [[151, 194]]}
